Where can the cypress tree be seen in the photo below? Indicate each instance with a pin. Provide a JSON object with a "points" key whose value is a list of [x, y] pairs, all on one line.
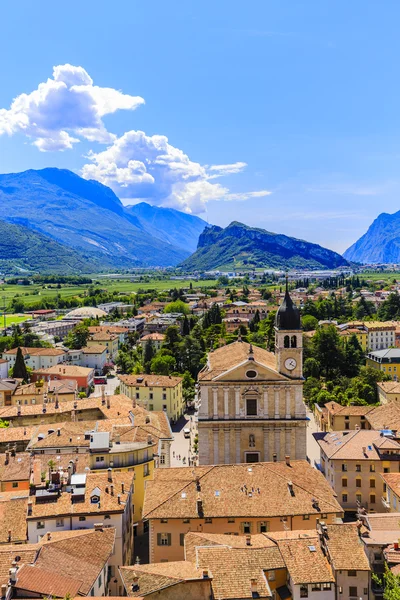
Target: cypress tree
{"points": [[20, 371]]}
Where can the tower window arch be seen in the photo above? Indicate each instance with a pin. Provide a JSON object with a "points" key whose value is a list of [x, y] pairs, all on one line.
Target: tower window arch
{"points": [[293, 342], [286, 341]]}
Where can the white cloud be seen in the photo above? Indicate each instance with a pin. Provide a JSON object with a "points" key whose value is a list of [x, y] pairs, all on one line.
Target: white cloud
{"points": [[63, 107], [150, 168]]}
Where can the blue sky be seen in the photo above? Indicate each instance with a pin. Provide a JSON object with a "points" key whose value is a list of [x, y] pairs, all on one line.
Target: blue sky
{"points": [[283, 115]]}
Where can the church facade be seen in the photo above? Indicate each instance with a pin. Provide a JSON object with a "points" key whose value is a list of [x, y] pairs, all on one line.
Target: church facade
{"points": [[251, 406]]}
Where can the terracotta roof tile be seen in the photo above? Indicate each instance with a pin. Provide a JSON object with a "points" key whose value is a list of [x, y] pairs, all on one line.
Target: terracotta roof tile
{"points": [[354, 445], [143, 380], [259, 489], [22, 554], [305, 561], [157, 576], [49, 583], [346, 549]]}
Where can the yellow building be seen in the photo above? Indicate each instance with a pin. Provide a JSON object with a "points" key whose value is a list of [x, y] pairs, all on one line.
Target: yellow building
{"points": [[109, 340], [387, 361], [234, 499], [155, 392], [361, 335], [57, 390], [388, 391], [391, 496], [335, 417], [352, 462], [7, 389]]}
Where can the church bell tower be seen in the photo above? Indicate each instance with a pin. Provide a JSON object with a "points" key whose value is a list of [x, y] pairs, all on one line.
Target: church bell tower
{"points": [[289, 339]]}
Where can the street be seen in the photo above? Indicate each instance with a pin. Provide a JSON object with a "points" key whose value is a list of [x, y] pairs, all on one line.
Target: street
{"points": [[109, 387], [180, 447], [313, 451]]}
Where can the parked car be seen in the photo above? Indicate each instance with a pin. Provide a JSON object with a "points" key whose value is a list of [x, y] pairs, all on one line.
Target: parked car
{"points": [[100, 380], [186, 433]]}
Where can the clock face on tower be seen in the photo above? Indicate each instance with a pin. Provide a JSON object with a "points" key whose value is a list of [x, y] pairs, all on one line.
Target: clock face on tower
{"points": [[290, 364]]}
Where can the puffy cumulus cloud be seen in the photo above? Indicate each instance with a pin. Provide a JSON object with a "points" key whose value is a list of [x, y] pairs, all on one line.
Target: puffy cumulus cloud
{"points": [[138, 166], [63, 109]]}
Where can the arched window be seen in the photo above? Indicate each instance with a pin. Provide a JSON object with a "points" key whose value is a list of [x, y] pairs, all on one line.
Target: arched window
{"points": [[293, 342], [286, 342], [252, 441]]}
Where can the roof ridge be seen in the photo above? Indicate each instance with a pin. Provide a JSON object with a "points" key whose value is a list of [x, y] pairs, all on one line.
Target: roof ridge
{"points": [[351, 436]]}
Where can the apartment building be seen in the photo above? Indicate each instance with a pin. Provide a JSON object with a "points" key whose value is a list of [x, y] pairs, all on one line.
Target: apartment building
{"points": [[157, 339], [391, 489], [83, 376], [93, 498], [335, 417], [110, 342], [155, 392], [387, 361], [234, 499], [352, 462], [36, 358]]}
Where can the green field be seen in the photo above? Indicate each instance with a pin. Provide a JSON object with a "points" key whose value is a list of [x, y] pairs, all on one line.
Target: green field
{"points": [[33, 293], [12, 319]]}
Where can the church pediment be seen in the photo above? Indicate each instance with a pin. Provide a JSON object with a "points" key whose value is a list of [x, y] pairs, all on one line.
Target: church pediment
{"points": [[245, 372]]}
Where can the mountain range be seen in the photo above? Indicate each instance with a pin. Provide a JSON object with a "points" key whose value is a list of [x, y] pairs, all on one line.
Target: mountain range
{"points": [[239, 245], [87, 216], [380, 244]]}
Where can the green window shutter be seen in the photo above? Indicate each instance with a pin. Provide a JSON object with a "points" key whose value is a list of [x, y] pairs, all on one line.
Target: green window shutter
{"points": [[182, 539], [169, 539], [158, 539]]}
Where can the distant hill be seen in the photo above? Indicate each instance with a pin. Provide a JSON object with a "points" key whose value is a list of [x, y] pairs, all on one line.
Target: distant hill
{"points": [[29, 250], [380, 244], [84, 215], [177, 228], [239, 245]]}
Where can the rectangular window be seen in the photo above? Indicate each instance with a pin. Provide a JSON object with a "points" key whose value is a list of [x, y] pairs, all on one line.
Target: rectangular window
{"points": [[146, 470], [182, 539], [352, 574], [99, 581], [353, 591], [358, 468], [15, 484], [40, 525], [372, 499], [59, 522], [316, 587], [386, 470], [358, 482], [231, 520], [372, 468], [246, 527], [344, 467], [164, 396], [82, 518], [99, 458], [251, 407], [163, 539], [304, 591], [344, 482], [186, 520], [344, 498], [358, 498], [306, 517], [208, 520], [151, 396], [372, 483], [326, 586], [164, 520], [151, 406], [263, 526]]}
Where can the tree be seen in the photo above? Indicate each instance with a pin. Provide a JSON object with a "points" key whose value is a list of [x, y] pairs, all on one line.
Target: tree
{"points": [[19, 370], [185, 326], [391, 584], [188, 387], [148, 355], [178, 306], [78, 337], [163, 364], [312, 368], [309, 323], [353, 357], [327, 350]]}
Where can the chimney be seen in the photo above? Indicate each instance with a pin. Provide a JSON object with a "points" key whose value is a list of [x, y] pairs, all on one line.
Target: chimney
{"points": [[7, 458], [287, 459], [19, 410], [149, 440], [357, 427], [133, 402], [112, 489], [48, 536], [135, 583], [123, 487], [109, 474], [274, 457], [58, 431], [290, 487], [205, 574], [9, 536], [147, 419], [396, 545], [108, 402], [199, 503], [30, 504], [253, 586], [198, 486], [103, 397], [4, 590], [98, 526], [248, 540], [117, 438], [119, 498]]}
